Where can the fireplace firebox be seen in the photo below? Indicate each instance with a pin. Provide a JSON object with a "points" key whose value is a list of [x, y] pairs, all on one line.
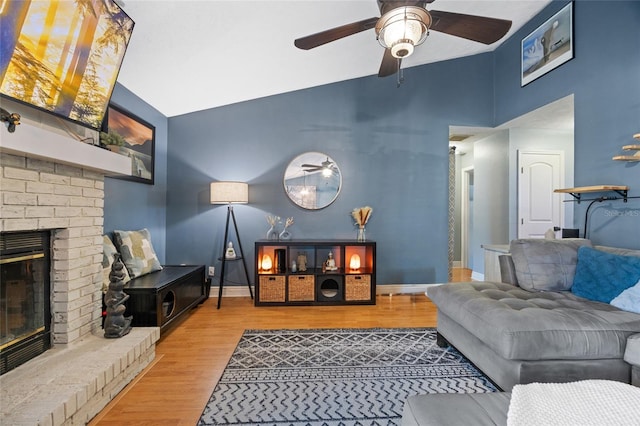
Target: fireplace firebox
{"points": [[25, 297]]}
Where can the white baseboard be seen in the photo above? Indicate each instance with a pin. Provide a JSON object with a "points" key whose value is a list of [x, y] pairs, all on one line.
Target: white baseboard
{"points": [[477, 276], [231, 291], [403, 288], [243, 291]]}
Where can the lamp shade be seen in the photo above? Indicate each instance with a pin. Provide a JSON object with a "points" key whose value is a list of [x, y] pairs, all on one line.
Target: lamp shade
{"points": [[229, 192]]}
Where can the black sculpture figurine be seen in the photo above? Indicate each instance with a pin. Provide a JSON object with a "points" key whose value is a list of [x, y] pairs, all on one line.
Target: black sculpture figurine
{"points": [[116, 324], [12, 119]]}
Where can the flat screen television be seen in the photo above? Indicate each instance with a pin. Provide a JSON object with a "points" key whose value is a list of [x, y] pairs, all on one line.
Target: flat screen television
{"points": [[63, 56]]}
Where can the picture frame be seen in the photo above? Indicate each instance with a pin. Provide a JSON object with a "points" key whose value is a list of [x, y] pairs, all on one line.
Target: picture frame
{"points": [[548, 46], [127, 134]]}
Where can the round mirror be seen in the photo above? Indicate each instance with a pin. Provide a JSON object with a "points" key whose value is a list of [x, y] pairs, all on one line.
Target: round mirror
{"points": [[312, 180]]}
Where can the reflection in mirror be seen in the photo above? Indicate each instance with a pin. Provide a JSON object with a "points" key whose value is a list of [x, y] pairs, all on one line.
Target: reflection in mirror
{"points": [[312, 180]]}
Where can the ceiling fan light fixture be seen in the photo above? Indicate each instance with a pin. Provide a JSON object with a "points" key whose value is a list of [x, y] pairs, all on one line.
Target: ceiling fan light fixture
{"points": [[402, 29], [402, 48]]}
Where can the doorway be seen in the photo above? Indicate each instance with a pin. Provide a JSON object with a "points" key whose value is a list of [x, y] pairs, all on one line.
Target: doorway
{"points": [[548, 128], [466, 217]]}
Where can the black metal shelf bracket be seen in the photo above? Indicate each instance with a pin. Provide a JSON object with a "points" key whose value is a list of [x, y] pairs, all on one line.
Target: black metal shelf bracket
{"points": [[623, 193], [576, 195]]}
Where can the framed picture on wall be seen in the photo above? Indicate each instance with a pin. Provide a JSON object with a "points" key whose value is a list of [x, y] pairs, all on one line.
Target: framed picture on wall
{"points": [[129, 135], [548, 46]]}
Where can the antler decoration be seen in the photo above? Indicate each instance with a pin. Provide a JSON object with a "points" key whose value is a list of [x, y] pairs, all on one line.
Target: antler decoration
{"points": [[288, 222], [272, 220]]}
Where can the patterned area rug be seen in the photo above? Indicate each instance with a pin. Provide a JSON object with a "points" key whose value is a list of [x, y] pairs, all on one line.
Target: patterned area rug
{"points": [[335, 376]]}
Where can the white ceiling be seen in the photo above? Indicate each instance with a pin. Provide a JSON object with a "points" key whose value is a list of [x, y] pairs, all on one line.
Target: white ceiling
{"points": [[187, 55]]}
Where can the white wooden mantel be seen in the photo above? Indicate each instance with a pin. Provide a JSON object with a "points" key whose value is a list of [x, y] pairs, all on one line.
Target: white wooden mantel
{"points": [[36, 141]]}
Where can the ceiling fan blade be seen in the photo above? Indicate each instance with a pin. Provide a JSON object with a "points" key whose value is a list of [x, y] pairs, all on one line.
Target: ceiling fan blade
{"points": [[324, 37], [389, 65], [477, 28]]}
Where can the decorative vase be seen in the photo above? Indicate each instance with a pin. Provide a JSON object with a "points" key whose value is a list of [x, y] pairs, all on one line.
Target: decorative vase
{"points": [[285, 234], [361, 234], [272, 234]]}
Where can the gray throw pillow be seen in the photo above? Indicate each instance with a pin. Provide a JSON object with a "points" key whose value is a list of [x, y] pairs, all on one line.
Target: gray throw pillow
{"points": [[546, 265], [137, 252]]}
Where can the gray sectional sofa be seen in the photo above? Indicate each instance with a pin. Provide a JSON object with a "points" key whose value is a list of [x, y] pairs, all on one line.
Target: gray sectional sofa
{"points": [[533, 328], [537, 330]]}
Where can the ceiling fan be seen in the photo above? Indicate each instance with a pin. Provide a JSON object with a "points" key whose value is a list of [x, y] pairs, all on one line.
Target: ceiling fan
{"points": [[406, 24], [327, 167]]}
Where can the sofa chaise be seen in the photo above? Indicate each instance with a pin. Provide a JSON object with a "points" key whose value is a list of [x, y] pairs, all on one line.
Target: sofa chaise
{"points": [[540, 328], [550, 322]]}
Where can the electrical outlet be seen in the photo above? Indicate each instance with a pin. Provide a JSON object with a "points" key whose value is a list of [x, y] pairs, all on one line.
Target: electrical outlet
{"points": [[212, 271]]}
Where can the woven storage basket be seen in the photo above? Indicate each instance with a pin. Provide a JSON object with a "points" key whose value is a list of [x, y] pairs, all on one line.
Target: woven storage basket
{"points": [[302, 288], [272, 288], [357, 287]]}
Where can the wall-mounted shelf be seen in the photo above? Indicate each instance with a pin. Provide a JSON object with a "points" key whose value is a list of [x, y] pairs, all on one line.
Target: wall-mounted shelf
{"points": [[635, 147], [634, 157], [578, 191]]}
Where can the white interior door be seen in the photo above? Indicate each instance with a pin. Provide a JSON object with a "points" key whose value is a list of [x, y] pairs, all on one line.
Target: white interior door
{"points": [[539, 208]]}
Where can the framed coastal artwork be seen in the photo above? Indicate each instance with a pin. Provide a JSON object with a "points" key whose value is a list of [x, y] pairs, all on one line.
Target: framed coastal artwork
{"points": [[129, 135], [548, 46]]}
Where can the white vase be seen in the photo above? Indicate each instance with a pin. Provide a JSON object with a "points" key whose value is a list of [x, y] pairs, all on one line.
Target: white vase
{"points": [[285, 234], [272, 234]]}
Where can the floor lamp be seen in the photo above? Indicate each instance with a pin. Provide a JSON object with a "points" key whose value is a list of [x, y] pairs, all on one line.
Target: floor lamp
{"points": [[230, 193]]}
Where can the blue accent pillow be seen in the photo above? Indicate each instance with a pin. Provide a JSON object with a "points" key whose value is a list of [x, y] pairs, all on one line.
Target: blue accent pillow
{"points": [[629, 300], [601, 276]]}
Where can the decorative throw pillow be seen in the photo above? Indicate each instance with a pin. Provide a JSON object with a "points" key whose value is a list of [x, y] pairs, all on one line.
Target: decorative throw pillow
{"points": [[108, 250], [544, 264], [629, 300], [137, 252], [602, 276]]}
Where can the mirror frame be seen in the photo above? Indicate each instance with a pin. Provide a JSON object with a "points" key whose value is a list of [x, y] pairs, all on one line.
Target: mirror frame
{"points": [[294, 170]]}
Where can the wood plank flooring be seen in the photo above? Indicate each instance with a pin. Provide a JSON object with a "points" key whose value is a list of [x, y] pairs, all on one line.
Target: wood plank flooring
{"points": [[191, 357]]}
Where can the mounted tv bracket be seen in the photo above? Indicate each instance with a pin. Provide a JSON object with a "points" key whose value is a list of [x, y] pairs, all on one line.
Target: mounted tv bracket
{"points": [[12, 119]]}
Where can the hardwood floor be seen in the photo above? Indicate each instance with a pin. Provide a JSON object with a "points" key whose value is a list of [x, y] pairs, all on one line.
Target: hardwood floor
{"points": [[191, 357], [461, 275]]}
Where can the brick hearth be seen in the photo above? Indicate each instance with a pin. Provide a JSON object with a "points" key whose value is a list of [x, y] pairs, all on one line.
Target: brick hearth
{"points": [[70, 384]]}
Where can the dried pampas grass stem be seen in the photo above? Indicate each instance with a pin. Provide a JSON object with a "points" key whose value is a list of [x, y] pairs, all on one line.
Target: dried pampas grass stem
{"points": [[361, 215]]}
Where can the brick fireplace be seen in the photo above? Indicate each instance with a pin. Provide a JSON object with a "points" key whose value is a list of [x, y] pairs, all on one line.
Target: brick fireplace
{"points": [[41, 195], [45, 187]]}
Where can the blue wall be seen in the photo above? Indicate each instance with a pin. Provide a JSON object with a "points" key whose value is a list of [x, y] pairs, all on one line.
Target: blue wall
{"points": [[604, 77], [390, 143], [133, 205]]}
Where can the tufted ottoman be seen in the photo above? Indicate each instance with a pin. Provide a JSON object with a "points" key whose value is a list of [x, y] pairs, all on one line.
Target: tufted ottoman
{"points": [[632, 356], [517, 336], [478, 409]]}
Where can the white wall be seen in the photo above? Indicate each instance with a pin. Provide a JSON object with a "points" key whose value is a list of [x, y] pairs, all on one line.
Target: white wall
{"points": [[491, 197]]}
